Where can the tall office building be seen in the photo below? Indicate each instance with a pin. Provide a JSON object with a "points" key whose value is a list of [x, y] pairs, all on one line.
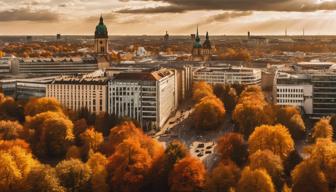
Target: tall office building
{"points": [[149, 96]]}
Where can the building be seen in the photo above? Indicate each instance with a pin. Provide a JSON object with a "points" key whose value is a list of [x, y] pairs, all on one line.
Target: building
{"points": [[57, 66], [294, 90], [81, 91], [202, 51], [6, 63], [101, 38], [226, 74], [25, 88], [312, 90], [147, 96]]}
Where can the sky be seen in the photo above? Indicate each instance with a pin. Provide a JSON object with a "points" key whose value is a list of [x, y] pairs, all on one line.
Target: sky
{"points": [[179, 17]]}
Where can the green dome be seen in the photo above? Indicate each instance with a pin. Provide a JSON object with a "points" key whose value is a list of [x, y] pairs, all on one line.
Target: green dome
{"points": [[101, 29]]}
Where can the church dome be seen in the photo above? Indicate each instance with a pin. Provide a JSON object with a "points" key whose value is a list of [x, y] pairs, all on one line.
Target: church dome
{"points": [[101, 29]]}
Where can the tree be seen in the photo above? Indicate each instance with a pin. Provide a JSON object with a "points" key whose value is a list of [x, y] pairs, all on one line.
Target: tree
{"points": [[323, 153], [73, 152], [292, 160], [74, 175], [223, 177], [97, 162], [255, 180], [250, 110], [36, 106], [227, 95], [120, 133], [188, 175], [80, 126], [129, 166], [104, 122], [274, 138], [231, 146], [174, 152], [200, 90], [43, 179], [91, 140], [10, 130], [271, 163], [308, 177], [322, 129], [51, 133], [333, 124], [15, 165], [208, 113], [290, 117], [6, 145], [11, 110]]}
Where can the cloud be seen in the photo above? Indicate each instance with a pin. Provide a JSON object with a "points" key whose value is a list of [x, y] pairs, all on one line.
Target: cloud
{"points": [[179, 6], [27, 14]]}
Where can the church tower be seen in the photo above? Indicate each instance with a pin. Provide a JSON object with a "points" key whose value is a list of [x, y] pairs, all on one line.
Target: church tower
{"points": [[101, 38]]}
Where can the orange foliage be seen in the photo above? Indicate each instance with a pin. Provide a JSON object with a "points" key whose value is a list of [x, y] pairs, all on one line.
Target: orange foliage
{"points": [[36, 106], [188, 175], [209, 113], [231, 146], [200, 90], [274, 138]]}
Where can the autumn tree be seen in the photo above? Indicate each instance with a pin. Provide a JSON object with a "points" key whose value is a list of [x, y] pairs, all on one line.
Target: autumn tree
{"points": [[249, 112], [174, 152], [129, 167], [15, 166], [74, 152], [40, 105], [290, 117], [333, 124], [308, 177], [10, 130], [104, 122], [293, 159], [119, 133], [323, 153], [92, 140], [11, 110], [200, 90], [223, 177], [187, 175], [255, 180], [271, 163], [322, 129], [97, 162], [80, 126], [51, 133], [43, 178], [231, 146], [208, 113], [274, 138], [227, 95], [74, 175]]}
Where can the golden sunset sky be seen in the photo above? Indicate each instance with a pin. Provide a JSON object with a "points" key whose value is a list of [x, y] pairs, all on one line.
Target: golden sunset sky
{"points": [[179, 17]]}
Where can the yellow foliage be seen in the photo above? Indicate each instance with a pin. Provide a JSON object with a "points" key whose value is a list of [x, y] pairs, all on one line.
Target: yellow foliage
{"points": [[255, 180], [323, 129], [274, 138]]}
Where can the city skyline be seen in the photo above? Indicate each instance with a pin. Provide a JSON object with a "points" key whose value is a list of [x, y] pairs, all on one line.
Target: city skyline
{"points": [[130, 17]]}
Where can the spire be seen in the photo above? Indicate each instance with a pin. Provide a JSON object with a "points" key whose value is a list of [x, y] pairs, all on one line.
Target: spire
{"points": [[197, 31], [101, 20], [207, 36]]}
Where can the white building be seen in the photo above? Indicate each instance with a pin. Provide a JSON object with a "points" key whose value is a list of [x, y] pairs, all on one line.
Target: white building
{"points": [[78, 92], [6, 63], [149, 96], [295, 90], [228, 75], [313, 90]]}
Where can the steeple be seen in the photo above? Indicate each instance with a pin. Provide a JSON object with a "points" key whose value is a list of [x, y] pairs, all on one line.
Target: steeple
{"points": [[197, 43], [101, 20], [207, 36]]}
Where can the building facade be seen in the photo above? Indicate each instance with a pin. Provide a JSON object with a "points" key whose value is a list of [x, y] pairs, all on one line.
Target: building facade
{"points": [[149, 96], [314, 91], [228, 75], [78, 92]]}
